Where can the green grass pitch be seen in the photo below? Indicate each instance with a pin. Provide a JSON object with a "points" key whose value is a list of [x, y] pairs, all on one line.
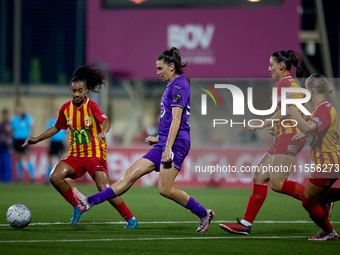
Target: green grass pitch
{"points": [[282, 225]]}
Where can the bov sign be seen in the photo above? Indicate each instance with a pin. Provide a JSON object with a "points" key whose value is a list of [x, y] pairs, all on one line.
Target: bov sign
{"points": [[238, 101], [190, 36]]}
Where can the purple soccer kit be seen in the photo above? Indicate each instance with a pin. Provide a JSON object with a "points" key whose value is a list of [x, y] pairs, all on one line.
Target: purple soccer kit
{"points": [[176, 94]]}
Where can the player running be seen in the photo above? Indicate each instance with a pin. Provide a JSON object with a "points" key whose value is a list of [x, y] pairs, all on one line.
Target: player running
{"points": [[323, 127], [282, 153], [88, 127], [170, 147]]}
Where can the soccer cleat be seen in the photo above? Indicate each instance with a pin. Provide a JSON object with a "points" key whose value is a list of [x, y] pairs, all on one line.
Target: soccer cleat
{"points": [[132, 223], [82, 199], [81, 206], [204, 223], [76, 215], [236, 228], [323, 236]]}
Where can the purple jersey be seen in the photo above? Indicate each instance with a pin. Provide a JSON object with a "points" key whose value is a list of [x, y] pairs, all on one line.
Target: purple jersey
{"points": [[176, 94]]}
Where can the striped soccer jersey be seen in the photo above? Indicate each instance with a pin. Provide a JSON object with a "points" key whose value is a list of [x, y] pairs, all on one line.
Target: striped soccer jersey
{"points": [[84, 125], [325, 143], [289, 126]]}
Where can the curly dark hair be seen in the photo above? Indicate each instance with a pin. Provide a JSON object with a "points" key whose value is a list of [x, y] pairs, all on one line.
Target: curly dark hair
{"points": [[91, 76]]}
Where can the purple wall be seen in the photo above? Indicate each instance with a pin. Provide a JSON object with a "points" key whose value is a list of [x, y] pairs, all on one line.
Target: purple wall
{"points": [[219, 43]]}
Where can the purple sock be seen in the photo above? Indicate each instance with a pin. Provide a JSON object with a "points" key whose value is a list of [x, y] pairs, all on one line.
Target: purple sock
{"points": [[196, 208], [100, 197]]}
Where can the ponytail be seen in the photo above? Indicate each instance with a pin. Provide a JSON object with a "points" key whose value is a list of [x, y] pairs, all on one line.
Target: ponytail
{"points": [[290, 58], [173, 56]]}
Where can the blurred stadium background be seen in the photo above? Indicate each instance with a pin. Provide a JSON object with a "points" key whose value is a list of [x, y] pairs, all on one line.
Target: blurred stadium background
{"points": [[42, 42]]}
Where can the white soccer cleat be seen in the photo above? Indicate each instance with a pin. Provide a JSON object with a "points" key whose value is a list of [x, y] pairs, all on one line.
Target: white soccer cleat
{"points": [[82, 199], [323, 236], [204, 223]]}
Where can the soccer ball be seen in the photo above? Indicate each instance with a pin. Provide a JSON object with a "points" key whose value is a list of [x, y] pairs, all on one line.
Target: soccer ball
{"points": [[18, 216]]}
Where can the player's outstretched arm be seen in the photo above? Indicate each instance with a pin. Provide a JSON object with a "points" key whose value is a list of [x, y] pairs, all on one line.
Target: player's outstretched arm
{"points": [[47, 134], [306, 117], [268, 122], [304, 126]]}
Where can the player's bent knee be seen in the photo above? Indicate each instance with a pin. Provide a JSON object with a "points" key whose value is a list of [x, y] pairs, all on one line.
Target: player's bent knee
{"points": [[56, 177], [53, 178], [164, 192], [276, 186]]}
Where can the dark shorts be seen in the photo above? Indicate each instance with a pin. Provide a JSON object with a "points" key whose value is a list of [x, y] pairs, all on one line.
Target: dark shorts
{"points": [[17, 146], [179, 151], [83, 165], [56, 149], [285, 145]]}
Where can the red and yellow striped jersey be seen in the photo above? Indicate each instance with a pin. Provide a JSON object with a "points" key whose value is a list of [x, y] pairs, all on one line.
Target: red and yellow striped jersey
{"points": [[84, 125], [325, 143], [289, 126]]}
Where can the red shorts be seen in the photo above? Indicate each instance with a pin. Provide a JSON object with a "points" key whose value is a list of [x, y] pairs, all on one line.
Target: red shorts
{"points": [[322, 182], [325, 175], [83, 165], [285, 145]]}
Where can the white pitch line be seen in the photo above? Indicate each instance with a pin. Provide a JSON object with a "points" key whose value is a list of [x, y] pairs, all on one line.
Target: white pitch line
{"points": [[152, 239], [167, 222]]}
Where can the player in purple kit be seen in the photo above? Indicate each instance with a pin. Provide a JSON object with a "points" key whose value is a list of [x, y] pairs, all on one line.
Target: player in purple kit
{"points": [[171, 146]]}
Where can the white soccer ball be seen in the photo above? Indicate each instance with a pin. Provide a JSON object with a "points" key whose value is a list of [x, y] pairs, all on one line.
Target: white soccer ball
{"points": [[18, 216]]}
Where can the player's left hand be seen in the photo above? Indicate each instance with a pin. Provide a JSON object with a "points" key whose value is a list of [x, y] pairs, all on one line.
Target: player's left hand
{"points": [[101, 136], [167, 155]]}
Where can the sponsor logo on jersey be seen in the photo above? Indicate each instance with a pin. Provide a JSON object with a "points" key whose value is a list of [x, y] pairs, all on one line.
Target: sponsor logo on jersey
{"points": [[317, 120], [81, 136], [177, 98], [292, 148]]}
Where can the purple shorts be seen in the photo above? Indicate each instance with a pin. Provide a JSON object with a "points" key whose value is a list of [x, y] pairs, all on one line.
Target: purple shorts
{"points": [[179, 151]]}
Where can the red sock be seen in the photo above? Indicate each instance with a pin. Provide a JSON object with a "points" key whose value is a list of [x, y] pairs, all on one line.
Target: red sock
{"points": [[325, 208], [124, 211], [317, 214], [293, 189], [68, 195], [255, 202]]}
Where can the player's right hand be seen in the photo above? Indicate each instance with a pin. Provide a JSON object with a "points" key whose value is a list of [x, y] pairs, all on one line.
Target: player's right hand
{"points": [[299, 136], [151, 140], [29, 140]]}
